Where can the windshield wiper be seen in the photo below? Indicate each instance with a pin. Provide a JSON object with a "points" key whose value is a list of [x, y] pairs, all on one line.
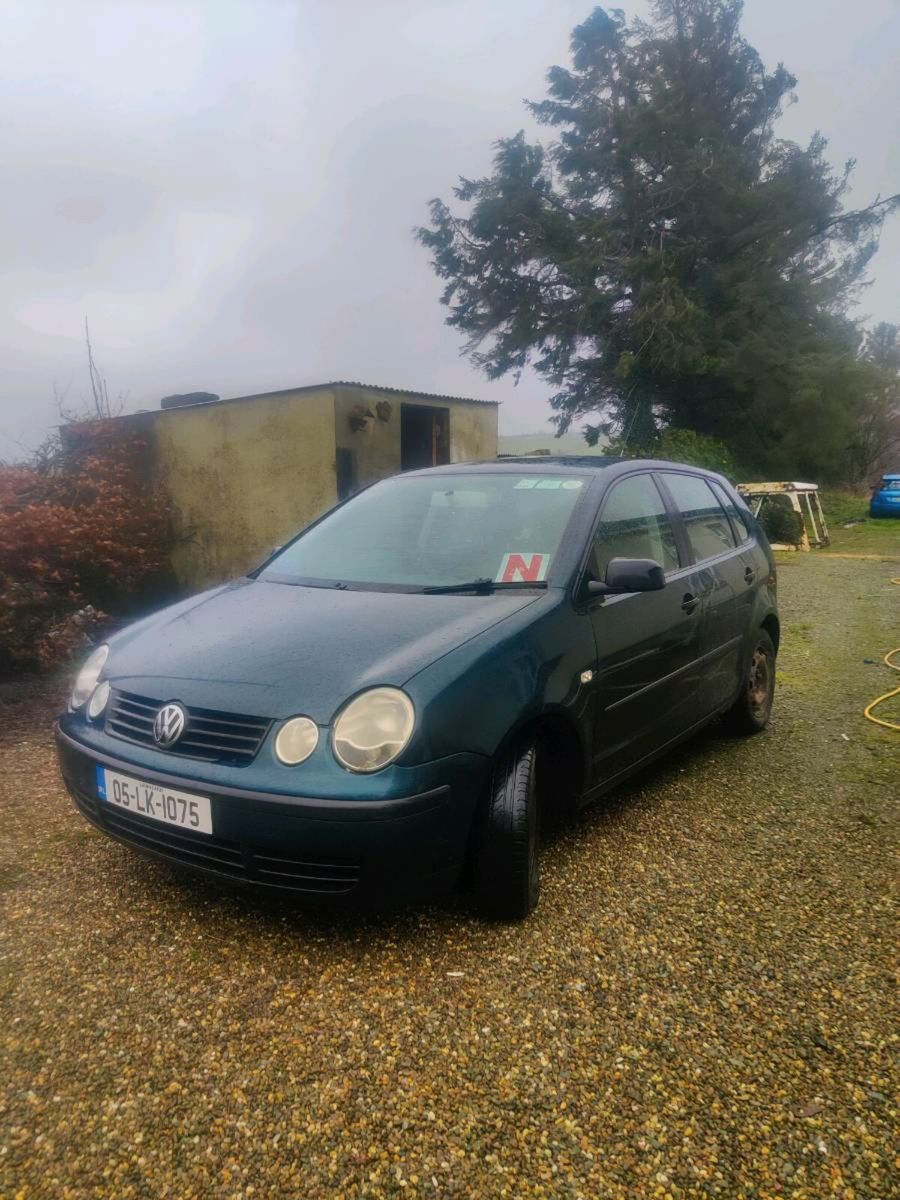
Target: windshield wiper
{"points": [[474, 585], [481, 586]]}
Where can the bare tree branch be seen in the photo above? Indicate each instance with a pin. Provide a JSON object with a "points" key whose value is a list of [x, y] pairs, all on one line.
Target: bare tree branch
{"points": [[850, 216]]}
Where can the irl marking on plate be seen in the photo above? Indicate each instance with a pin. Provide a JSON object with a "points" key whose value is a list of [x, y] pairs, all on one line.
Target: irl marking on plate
{"points": [[101, 783]]}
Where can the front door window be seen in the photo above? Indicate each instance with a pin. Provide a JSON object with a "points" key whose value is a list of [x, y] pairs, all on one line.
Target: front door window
{"points": [[634, 524]]}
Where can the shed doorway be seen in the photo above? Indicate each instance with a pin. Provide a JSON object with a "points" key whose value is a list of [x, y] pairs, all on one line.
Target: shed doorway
{"points": [[424, 436]]}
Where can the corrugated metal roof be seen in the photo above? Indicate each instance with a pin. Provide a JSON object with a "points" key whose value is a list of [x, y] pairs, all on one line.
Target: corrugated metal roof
{"points": [[369, 387], [144, 414]]}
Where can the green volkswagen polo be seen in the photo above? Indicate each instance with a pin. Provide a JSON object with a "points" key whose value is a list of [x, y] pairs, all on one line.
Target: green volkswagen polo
{"points": [[427, 677]]}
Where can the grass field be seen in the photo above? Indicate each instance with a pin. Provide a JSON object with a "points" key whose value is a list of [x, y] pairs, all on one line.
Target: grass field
{"points": [[702, 1007], [865, 535]]}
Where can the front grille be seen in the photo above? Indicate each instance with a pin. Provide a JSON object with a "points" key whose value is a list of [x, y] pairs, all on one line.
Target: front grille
{"points": [[216, 854], [311, 876], [220, 737], [181, 844]]}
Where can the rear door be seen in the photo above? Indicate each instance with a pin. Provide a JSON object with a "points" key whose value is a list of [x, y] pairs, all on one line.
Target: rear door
{"points": [[648, 643], [725, 574]]}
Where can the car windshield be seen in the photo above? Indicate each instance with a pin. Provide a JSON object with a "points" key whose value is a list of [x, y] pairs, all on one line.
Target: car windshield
{"points": [[436, 531], [890, 485]]}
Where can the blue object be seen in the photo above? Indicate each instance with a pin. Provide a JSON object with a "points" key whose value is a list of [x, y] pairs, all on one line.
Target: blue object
{"points": [[885, 500]]}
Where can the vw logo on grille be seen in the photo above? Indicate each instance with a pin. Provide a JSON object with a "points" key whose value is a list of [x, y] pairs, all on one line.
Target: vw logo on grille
{"points": [[168, 725]]}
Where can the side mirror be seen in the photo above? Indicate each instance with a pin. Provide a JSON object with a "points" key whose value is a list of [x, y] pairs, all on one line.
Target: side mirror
{"points": [[629, 575]]}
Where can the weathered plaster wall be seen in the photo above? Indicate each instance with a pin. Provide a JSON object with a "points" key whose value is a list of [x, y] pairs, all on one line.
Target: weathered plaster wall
{"points": [[376, 449], [246, 474], [243, 476], [473, 432]]}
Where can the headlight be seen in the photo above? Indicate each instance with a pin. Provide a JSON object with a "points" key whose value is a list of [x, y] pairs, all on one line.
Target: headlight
{"points": [[98, 700], [87, 677], [373, 729], [296, 740]]}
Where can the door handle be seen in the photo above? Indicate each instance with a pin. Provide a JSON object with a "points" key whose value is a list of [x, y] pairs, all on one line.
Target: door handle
{"points": [[689, 602], [749, 575]]}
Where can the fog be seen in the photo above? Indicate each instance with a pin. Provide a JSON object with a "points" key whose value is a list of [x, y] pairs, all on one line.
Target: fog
{"points": [[227, 190]]}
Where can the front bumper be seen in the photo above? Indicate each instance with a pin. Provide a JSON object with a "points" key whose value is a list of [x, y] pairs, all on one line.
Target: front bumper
{"points": [[375, 851]]}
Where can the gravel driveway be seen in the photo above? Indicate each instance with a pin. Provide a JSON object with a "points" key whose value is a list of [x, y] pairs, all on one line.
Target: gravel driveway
{"points": [[700, 1007]]}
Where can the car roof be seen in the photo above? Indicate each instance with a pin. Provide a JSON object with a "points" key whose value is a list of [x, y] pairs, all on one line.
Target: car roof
{"points": [[535, 465], [574, 462], [890, 477], [556, 463]]}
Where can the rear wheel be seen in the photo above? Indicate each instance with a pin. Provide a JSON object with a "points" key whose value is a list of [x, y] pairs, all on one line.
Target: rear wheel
{"points": [[751, 711], [507, 879]]}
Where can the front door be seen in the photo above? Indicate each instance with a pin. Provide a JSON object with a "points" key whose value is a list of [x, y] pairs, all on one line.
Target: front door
{"points": [[648, 643]]}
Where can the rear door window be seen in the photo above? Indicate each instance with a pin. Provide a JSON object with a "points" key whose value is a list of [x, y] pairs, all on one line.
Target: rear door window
{"points": [[634, 524], [706, 524]]}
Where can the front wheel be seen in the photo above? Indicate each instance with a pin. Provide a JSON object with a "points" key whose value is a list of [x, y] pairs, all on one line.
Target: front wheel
{"points": [[751, 711], [507, 879]]}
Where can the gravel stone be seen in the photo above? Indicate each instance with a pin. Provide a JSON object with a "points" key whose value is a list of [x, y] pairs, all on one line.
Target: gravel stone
{"points": [[702, 1005]]}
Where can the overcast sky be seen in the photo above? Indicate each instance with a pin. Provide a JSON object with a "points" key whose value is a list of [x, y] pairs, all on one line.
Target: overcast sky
{"points": [[227, 189]]}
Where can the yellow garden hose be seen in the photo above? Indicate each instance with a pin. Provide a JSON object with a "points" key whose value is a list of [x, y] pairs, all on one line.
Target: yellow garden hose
{"points": [[887, 695]]}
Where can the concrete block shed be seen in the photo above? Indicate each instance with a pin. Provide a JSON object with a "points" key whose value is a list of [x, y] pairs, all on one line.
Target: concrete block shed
{"points": [[247, 473]]}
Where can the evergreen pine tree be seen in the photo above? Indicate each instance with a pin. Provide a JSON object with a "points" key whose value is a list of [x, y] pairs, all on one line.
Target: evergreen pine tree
{"points": [[667, 260]]}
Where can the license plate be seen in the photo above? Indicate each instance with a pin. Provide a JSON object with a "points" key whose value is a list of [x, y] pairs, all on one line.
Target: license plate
{"points": [[158, 803]]}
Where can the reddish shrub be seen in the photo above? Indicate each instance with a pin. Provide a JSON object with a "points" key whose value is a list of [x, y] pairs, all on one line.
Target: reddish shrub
{"points": [[83, 540]]}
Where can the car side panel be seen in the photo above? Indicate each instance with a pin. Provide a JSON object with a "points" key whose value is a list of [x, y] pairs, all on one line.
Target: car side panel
{"points": [[728, 601], [762, 592], [648, 671], [885, 503], [729, 583], [528, 666]]}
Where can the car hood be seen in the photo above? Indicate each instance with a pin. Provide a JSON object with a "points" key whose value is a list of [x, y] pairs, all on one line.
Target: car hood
{"points": [[275, 649]]}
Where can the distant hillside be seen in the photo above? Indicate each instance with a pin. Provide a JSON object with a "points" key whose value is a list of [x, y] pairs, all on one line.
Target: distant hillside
{"points": [[527, 443]]}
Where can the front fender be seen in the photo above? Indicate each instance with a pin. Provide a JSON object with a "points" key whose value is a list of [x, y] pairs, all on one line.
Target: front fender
{"points": [[528, 667]]}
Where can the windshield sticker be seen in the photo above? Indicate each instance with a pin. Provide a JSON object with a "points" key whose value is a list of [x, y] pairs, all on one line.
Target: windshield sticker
{"points": [[523, 568], [527, 483], [572, 484], [549, 485]]}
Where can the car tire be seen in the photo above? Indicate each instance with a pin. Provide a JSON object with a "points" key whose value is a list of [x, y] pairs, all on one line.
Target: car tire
{"points": [[506, 876], [751, 711]]}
